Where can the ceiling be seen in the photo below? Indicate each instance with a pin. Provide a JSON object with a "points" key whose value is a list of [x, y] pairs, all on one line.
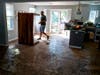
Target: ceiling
{"points": [[65, 3]]}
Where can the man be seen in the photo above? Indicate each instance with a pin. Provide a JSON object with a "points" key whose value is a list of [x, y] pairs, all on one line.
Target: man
{"points": [[43, 25]]}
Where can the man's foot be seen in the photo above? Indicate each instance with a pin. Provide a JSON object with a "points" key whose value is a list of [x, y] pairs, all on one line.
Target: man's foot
{"points": [[47, 42], [47, 37], [39, 39]]}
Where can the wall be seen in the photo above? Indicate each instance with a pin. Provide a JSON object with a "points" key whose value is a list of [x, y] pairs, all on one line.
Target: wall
{"points": [[95, 7], [3, 26], [17, 8], [84, 9], [12, 34], [25, 7], [35, 0], [22, 7]]}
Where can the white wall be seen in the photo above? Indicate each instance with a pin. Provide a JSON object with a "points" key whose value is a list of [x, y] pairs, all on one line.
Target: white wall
{"points": [[12, 34], [25, 7], [21, 7], [84, 9]]}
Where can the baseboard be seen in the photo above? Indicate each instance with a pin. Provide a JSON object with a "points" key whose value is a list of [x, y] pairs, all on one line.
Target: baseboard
{"points": [[79, 47], [13, 40]]}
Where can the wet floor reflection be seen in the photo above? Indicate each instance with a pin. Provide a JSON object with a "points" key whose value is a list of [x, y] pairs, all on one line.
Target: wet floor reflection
{"points": [[9, 61], [55, 58], [62, 57]]}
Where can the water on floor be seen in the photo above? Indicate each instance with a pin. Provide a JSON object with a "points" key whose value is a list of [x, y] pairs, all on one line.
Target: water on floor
{"points": [[55, 58]]}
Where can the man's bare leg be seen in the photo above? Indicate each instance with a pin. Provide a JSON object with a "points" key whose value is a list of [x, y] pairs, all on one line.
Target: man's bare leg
{"points": [[46, 35], [40, 36]]}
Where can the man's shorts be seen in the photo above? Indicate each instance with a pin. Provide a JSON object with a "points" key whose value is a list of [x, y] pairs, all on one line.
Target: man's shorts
{"points": [[42, 28]]}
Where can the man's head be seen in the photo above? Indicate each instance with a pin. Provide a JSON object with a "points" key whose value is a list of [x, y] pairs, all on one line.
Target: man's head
{"points": [[42, 12]]}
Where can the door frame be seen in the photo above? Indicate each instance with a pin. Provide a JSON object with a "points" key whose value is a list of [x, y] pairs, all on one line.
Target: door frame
{"points": [[59, 10]]}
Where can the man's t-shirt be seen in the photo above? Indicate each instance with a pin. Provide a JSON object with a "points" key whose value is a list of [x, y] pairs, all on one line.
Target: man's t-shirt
{"points": [[43, 18]]}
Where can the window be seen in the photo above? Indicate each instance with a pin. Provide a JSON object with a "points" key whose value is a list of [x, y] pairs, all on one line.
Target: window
{"points": [[58, 19], [10, 16], [93, 15], [32, 9]]}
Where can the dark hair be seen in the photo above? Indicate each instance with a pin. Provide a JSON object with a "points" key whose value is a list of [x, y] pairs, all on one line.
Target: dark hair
{"points": [[42, 11]]}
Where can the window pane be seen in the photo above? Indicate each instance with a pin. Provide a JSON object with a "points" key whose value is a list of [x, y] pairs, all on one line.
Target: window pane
{"points": [[32, 10], [9, 10], [10, 16], [93, 15], [10, 23], [55, 17]]}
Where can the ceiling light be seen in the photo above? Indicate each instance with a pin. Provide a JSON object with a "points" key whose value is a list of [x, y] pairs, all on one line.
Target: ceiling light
{"points": [[78, 10]]}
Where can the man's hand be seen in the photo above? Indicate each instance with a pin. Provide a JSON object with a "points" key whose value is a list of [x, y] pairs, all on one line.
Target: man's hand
{"points": [[42, 21], [39, 22]]}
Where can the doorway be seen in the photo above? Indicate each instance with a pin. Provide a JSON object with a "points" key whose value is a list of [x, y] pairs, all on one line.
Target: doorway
{"points": [[58, 18]]}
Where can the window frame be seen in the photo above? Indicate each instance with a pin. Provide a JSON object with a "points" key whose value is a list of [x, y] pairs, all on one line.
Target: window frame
{"points": [[93, 16], [10, 16]]}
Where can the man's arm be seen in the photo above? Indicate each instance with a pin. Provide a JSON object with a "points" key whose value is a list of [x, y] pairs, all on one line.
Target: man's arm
{"points": [[43, 20]]}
